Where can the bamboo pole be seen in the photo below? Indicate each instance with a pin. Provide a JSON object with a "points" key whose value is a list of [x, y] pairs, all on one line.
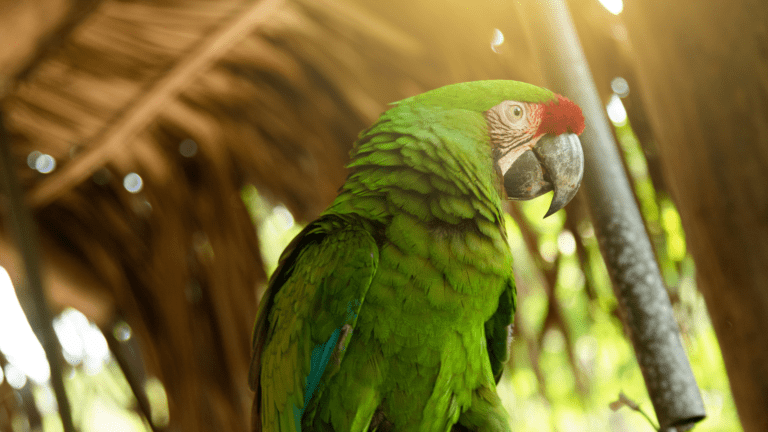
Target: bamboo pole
{"points": [[30, 292], [619, 227]]}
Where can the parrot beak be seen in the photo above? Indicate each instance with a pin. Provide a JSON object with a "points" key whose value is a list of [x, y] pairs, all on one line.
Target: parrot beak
{"points": [[555, 162]]}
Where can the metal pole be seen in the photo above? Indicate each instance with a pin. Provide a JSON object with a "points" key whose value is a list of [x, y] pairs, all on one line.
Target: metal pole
{"points": [[31, 294], [637, 283]]}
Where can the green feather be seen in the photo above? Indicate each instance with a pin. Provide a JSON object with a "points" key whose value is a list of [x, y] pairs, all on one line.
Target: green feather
{"points": [[480, 95]]}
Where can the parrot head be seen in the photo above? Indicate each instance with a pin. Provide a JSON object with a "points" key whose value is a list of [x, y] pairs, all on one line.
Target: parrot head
{"points": [[533, 135]]}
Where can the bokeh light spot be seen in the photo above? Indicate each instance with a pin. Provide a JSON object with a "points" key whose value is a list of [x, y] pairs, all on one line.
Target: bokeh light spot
{"points": [[45, 164], [15, 376], [188, 148], [133, 183], [68, 327], [620, 86], [158, 399], [283, 215], [46, 400], [498, 39], [32, 158], [566, 242], [548, 250], [553, 342], [122, 331], [96, 349], [616, 111]]}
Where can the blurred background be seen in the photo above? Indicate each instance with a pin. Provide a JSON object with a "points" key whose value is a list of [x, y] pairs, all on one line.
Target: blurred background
{"points": [[169, 150]]}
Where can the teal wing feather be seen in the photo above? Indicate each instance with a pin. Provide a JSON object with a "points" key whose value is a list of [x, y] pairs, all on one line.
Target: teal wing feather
{"points": [[498, 329], [307, 316]]}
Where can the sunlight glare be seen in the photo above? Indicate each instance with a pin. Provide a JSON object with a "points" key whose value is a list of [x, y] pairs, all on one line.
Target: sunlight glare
{"points": [[46, 401], [20, 346], [68, 327], [616, 111], [96, 349], [15, 376], [614, 6], [566, 242], [103, 415], [158, 399], [498, 39], [283, 215]]}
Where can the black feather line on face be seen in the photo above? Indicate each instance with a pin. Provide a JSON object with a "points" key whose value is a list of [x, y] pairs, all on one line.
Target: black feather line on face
{"points": [[527, 139], [503, 151]]}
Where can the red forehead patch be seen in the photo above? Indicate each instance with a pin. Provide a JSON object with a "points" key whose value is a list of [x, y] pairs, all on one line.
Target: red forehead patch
{"points": [[561, 116]]}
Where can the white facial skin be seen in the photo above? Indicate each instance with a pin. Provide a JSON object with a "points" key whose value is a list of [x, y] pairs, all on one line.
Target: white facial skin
{"points": [[512, 127]]}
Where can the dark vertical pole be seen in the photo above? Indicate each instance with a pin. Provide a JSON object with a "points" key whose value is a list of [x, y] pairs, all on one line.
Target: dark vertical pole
{"points": [[621, 233], [31, 294], [128, 356]]}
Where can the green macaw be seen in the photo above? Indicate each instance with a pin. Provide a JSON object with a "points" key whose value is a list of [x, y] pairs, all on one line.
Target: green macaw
{"points": [[392, 311]]}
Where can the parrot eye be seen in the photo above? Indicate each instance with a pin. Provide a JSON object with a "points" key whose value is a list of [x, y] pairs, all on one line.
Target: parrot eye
{"points": [[516, 112]]}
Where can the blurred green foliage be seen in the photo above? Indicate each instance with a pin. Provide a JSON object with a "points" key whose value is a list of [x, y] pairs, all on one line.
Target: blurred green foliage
{"points": [[101, 401], [548, 388], [274, 223]]}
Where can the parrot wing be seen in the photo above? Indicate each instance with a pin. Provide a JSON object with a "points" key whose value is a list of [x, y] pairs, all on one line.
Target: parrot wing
{"points": [[498, 329], [308, 313]]}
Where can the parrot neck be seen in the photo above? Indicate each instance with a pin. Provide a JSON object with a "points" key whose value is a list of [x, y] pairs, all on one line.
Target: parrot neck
{"points": [[431, 178], [430, 163], [381, 193]]}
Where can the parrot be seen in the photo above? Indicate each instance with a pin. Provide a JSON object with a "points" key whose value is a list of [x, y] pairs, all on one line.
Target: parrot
{"points": [[393, 310]]}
